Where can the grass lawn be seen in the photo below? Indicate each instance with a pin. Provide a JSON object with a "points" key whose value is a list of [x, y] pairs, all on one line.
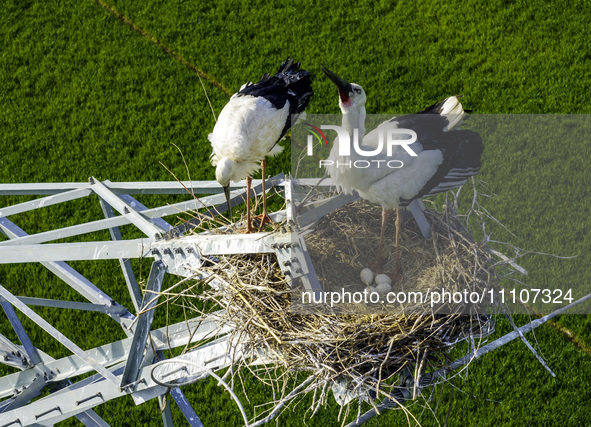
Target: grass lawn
{"points": [[108, 88]]}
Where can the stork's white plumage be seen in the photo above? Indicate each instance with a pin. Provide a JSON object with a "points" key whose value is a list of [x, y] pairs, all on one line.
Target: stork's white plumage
{"points": [[445, 156], [253, 121]]}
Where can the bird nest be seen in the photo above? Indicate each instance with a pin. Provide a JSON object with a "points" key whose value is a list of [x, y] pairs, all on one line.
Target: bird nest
{"points": [[364, 352], [447, 264]]}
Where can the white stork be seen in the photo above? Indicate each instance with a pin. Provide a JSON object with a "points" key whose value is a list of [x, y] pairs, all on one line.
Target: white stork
{"points": [[251, 124], [446, 157]]}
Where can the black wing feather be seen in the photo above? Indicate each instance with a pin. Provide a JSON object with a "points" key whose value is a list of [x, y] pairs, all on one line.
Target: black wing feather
{"points": [[290, 84], [462, 150]]}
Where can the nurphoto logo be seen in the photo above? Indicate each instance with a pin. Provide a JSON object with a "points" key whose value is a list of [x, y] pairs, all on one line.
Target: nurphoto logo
{"points": [[363, 156]]}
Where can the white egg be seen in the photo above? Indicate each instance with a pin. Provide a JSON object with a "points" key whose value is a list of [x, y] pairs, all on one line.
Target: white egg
{"points": [[383, 278], [383, 287], [366, 276]]}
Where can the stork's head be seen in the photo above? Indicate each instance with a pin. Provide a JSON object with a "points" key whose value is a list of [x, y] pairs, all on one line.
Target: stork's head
{"points": [[224, 170], [351, 95]]}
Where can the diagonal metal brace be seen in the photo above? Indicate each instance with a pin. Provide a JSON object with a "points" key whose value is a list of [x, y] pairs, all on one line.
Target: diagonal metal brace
{"points": [[30, 349], [4, 293], [140, 221], [144, 323], [32, 390]]}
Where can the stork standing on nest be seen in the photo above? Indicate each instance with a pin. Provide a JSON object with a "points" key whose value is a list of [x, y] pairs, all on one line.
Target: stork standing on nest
{"points": [[253, 122], [444, 157]]}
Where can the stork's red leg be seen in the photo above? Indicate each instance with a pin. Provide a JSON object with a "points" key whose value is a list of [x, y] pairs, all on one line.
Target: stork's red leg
{"points": [[248, 222], [397, 276], [264, 217], [385, 213], [263, 170]]}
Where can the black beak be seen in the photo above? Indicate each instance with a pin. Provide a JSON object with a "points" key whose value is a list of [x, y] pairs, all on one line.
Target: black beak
{"points": [[343, 85], [227, 193]]}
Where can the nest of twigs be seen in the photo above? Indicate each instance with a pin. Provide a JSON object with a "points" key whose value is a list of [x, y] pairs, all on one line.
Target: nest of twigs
{"points": [[362, 352]]}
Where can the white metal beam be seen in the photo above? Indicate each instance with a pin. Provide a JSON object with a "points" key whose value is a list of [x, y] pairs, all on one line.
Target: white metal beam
{"points": [[46, 201], [65, 272], [117, 221], [30, 349], [224, 244], [93, 391], [117, 310], [173, 336], [138, 248], [143, 187], [70, 345], [154, 215], [144, 322], [135, 217]]}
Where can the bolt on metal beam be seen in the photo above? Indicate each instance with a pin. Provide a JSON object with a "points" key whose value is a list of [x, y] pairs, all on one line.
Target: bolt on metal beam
{"points": [[12, 354]]}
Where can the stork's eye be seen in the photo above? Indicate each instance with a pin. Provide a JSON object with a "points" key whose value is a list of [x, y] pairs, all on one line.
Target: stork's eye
{"points": [[357, 90]]}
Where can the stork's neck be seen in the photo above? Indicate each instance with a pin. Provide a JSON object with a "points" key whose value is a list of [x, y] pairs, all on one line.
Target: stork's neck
{"points": [[354, 118]]}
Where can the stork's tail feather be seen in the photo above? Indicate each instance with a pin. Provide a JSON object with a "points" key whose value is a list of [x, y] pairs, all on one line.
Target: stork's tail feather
{"points": [[451, 109]]}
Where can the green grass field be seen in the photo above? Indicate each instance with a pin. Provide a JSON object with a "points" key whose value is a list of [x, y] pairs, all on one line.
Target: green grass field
{"points": [[105, 88]]}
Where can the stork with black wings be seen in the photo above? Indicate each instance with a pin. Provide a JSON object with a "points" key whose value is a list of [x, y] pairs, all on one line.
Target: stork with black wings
{"points": [[253, 122], [444, 156]]}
